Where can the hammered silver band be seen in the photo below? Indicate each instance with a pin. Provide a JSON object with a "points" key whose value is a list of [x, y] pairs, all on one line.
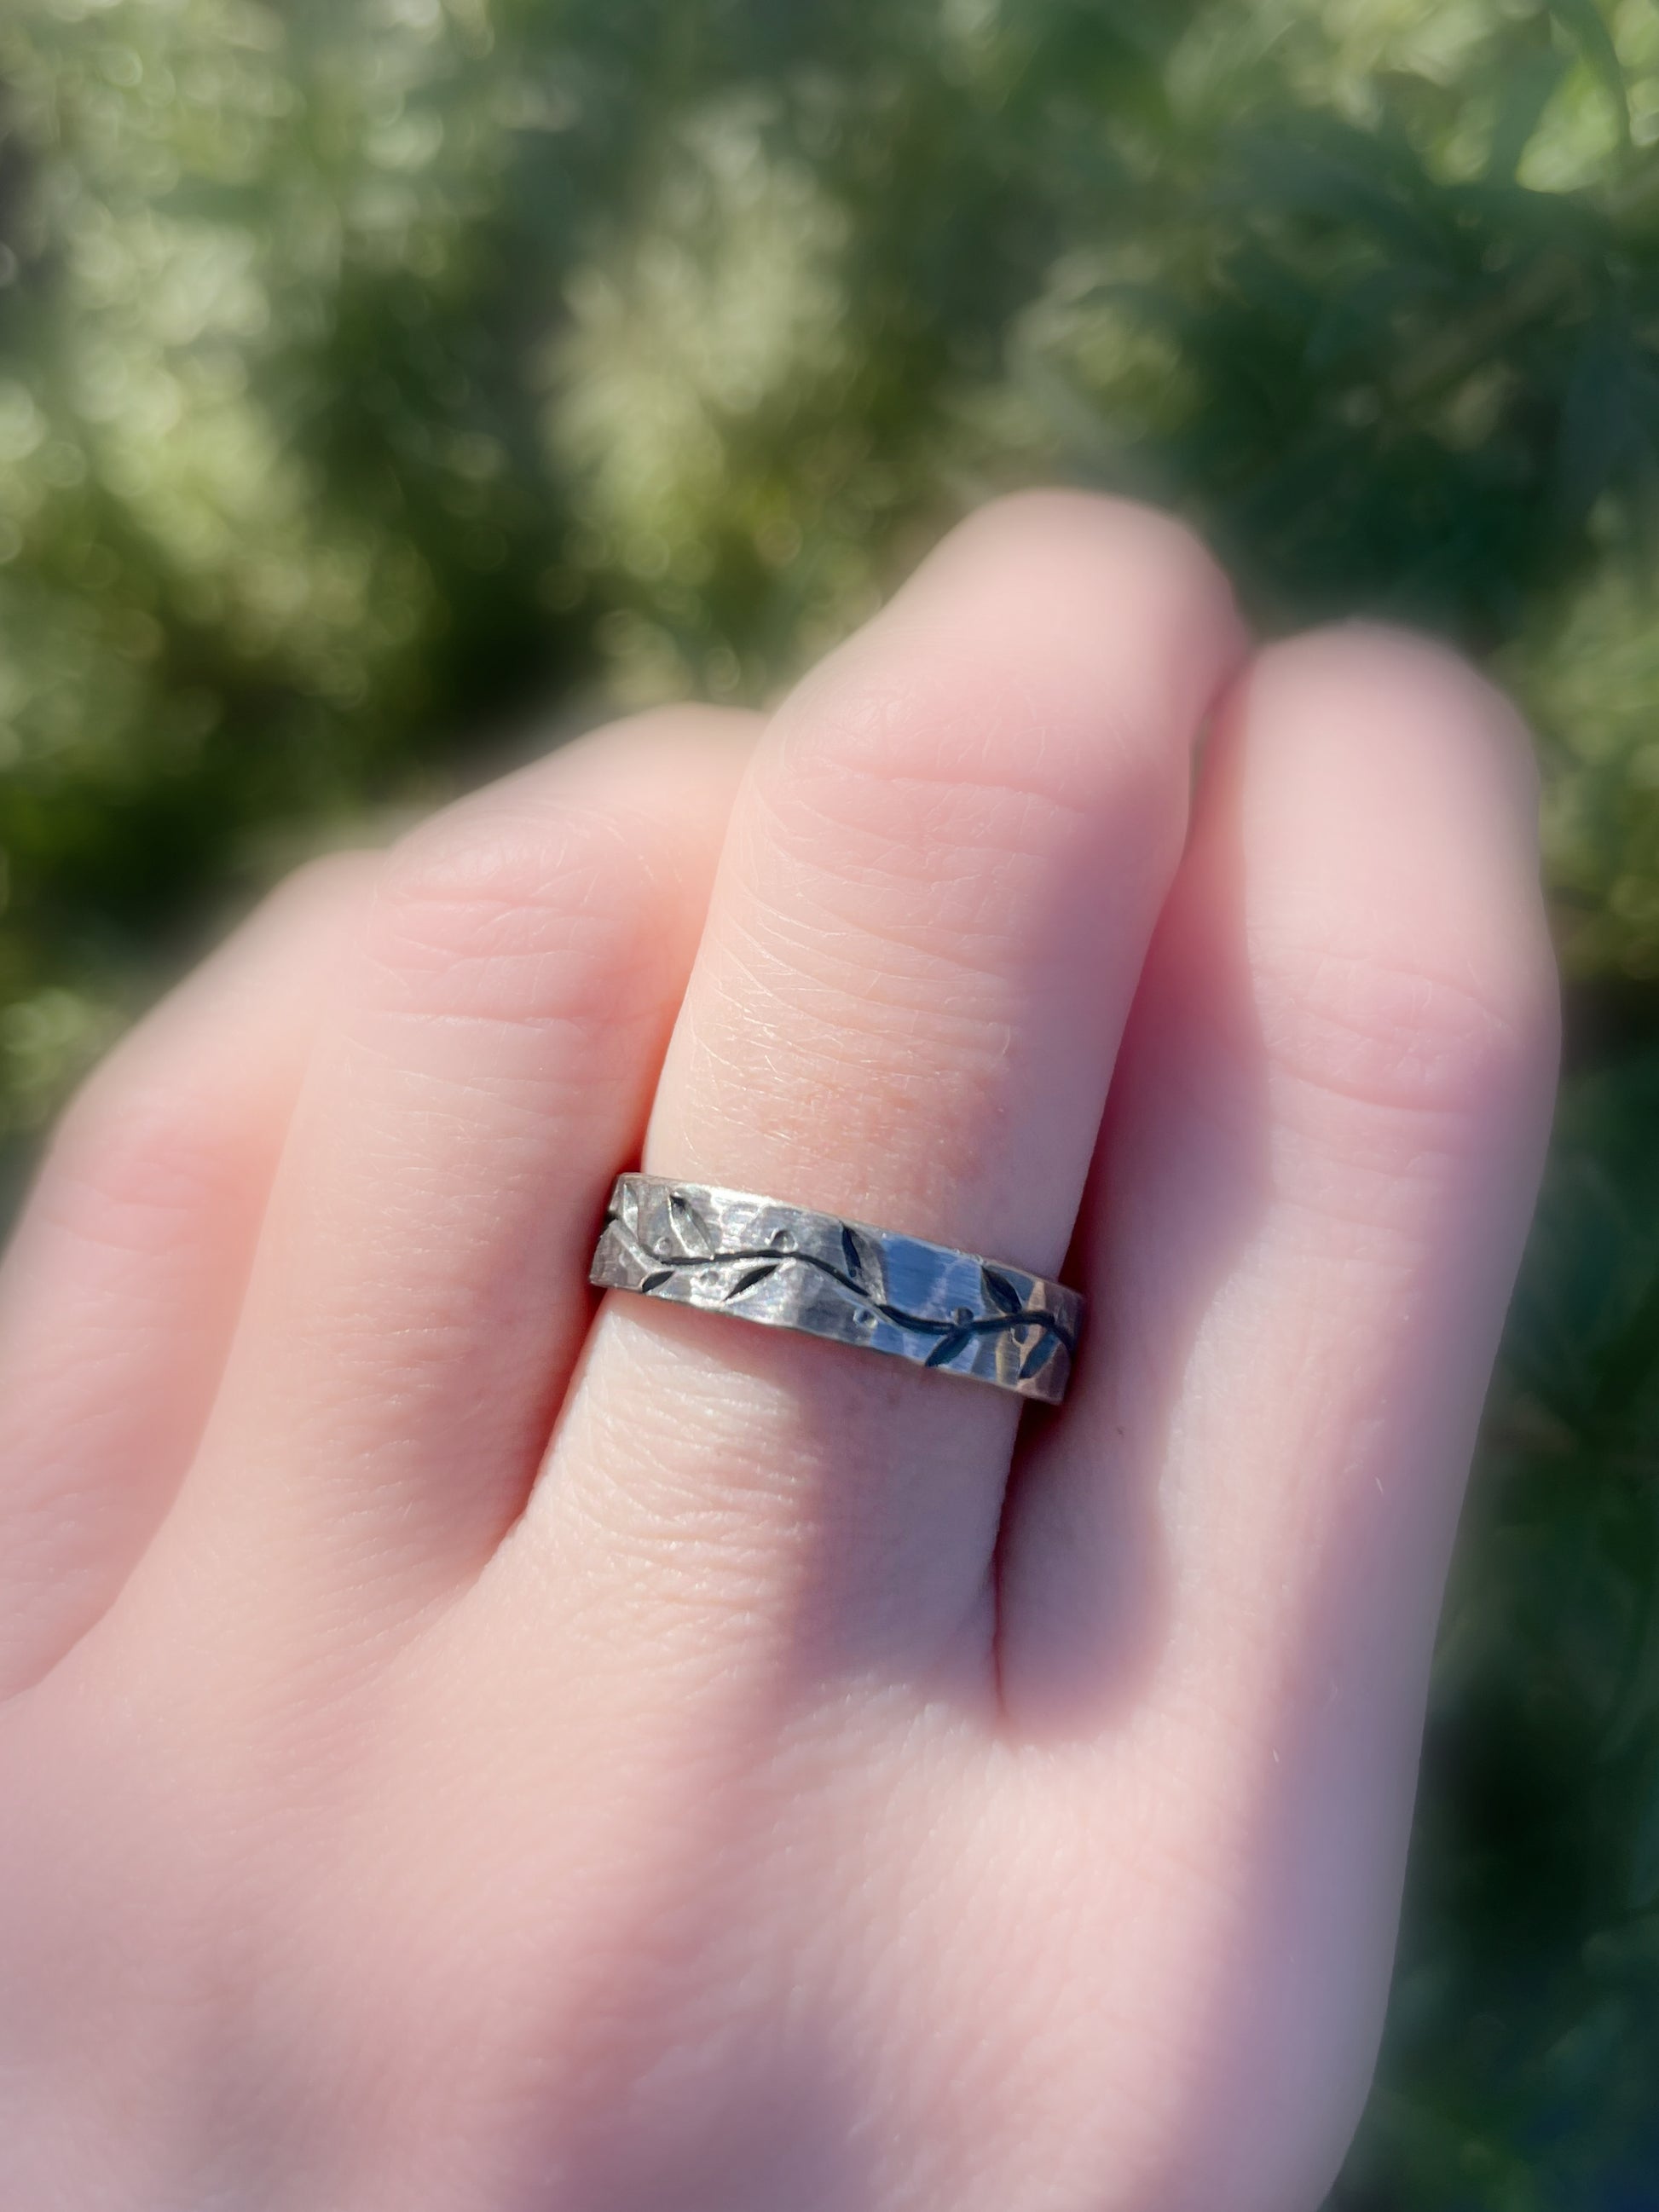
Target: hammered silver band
{"points": [[731, 1252]]}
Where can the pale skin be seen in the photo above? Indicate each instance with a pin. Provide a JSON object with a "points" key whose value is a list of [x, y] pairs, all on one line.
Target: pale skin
{"points": [[466, 1751]]}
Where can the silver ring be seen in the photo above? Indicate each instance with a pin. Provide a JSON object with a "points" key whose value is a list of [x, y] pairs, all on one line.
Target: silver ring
{"points": [[730, 1252]]}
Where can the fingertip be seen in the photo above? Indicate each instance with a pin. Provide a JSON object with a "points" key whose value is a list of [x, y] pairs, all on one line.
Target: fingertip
{"points": [[1064, 568], [1436, 709]]}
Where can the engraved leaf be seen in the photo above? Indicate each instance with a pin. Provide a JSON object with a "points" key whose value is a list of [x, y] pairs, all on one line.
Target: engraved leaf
{"points": [[747, 1279], [1039, 1356], [656, 1275], [999, 1292], [687, 1224], [866, 1262], [947, 1348]]}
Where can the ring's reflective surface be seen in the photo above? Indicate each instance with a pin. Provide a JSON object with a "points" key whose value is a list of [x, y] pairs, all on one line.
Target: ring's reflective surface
{"points": [[731, 1252]]}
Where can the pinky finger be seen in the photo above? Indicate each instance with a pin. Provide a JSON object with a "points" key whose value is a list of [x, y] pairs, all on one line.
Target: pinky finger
{"points": [[121, 1288]]}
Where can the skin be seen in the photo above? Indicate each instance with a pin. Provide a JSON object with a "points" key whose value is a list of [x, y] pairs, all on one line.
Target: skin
{"points": [[464, 1749]]}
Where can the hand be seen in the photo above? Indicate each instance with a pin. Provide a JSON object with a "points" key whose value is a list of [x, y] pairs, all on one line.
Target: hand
{"points": [[787, 1790]]}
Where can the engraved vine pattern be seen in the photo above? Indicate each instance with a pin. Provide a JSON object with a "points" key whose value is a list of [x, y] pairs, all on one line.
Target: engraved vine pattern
{"points": [[678, 1239]]}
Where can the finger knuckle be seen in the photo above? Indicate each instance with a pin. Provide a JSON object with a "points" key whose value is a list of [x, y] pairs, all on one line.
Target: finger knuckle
{"points": [[133, 1147], [1057, 649], [327, 881], [537, 917], [1391, 1027]]}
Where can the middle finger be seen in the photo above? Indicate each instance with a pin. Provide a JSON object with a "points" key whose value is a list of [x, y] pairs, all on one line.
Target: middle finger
{"points": [[932, 910]]}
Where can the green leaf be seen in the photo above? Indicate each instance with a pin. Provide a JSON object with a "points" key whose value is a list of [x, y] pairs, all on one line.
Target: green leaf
{"points": [[1530, 86], [1584, 23]]}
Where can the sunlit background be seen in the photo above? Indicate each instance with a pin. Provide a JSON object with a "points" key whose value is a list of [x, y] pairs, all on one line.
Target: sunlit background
{"points": [[389, 385]]}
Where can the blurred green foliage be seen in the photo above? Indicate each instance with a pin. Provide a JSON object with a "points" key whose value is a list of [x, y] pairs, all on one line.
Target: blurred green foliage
{"points": [[376, 372]]}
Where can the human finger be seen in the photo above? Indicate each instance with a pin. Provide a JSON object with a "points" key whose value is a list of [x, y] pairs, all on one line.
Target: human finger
{"points": [[120, 1291], [420, 1290], [1221, 1574], [931, 914]]}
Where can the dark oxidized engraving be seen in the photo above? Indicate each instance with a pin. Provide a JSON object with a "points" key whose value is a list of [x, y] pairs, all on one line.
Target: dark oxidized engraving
{"points": [[738, 1253]]}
